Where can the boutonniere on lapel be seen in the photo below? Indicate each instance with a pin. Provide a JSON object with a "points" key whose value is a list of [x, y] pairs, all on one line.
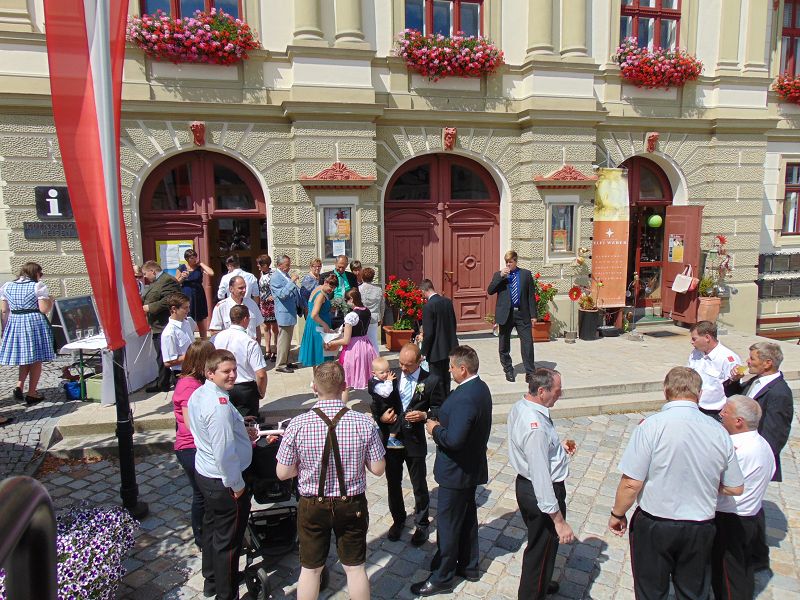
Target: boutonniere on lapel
{"points": [[420, 389]]}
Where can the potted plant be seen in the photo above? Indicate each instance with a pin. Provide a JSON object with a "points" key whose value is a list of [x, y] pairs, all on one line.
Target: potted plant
{"points": [[712, 284], [590, 317], [436, 56], [656, 68], [788, 87], [406, 301], [543, 295]]}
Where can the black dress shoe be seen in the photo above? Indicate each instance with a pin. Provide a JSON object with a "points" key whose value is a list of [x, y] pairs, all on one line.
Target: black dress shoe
{"points": [[552, 588], [394, 532], [420, 536], [284, 370], [428, 588], [153, 389], [510, 376], [209, 590], [31, 400], [291, 365], [18, 395], [469, 575]]}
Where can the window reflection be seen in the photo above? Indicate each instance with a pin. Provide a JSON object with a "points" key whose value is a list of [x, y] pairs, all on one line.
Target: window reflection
{"points": [[442, 18], [470, 18], [649, 186], [151, 6], [174, 191], [231, 192], [189, 7], [466, 184], [415, 15], [230, 7], [413, 185], [561, 220]]}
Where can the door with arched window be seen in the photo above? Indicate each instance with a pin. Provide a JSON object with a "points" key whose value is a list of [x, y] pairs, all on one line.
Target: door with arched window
{"points": [[442, 222], [210, 200]]}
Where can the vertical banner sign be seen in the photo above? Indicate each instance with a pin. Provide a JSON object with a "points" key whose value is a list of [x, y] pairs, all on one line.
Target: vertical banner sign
{"points": [[610, 241], [85, 51]]}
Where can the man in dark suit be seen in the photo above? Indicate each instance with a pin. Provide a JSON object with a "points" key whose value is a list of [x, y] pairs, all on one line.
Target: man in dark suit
{"points": [[155, 305], [770, 390], [438, 332], [516, 308], [346, 281], [461, 434], [404, 412]]}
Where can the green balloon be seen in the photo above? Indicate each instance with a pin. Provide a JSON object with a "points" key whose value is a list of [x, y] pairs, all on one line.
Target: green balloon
{"points": [[654, 221]]}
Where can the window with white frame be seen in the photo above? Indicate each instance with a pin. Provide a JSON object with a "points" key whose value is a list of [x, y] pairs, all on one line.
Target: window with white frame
{"points": [[562, 211], [445, 17], [336, 217], [791, 196], [654, 23]]}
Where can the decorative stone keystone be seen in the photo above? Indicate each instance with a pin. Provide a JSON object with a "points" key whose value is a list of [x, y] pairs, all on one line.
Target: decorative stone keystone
{"points": [[199, 132], [449, 137]]}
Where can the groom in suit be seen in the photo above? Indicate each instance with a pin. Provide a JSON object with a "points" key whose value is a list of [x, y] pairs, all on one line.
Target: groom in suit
{"points": [[415, 392], [438, 331], [516, 308], [774, 396], [461, 434]]}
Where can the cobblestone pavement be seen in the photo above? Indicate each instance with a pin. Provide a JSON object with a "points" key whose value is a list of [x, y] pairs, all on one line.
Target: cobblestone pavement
{"points": [[33, 425], [164, 562]]}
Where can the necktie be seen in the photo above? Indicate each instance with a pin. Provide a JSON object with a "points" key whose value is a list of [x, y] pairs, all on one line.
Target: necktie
{"points": [[408, 392], [514, 288]]}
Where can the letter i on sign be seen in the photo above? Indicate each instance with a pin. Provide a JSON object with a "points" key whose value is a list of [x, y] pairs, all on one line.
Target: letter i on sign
{"points": [[52, 200]]}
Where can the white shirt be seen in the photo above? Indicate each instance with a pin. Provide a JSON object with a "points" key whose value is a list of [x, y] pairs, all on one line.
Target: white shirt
{"points": [[760, 382], [221, 315], [714, 368], [40, 289], [249, 279], [223, 447], [535, 452], [383, 388], [758, 465], [176, 339], [405, 398], [249, 357]]}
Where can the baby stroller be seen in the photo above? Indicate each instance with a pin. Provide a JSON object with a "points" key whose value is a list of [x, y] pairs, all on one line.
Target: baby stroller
{"points": [[271, 532]]}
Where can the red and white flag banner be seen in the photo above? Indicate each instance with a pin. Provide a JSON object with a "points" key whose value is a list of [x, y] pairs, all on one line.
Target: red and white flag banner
{"points": [[85, 50]]}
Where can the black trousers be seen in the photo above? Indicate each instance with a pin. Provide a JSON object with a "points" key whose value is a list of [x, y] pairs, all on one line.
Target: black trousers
{"points": [[456, 535], [441, 368], [245, 397], [223, 531], [164, 380], [662, 549], [523, 327], [186, 459], [732, 574], [394, 483], [759, 551], [539, 557]]}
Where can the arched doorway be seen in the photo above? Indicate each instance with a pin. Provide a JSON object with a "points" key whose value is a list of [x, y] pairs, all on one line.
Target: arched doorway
{"points": [[210, 200], [441, 221], [650, 194]]}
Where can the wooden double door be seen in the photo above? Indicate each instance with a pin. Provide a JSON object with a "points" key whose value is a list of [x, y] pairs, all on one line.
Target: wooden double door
{"points": [[441, 222]]}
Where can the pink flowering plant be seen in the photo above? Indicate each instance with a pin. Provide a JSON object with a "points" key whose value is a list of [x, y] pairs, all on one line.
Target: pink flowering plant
{"points": [[436, 56], [788, 87], [656, 68], [213, 37]]}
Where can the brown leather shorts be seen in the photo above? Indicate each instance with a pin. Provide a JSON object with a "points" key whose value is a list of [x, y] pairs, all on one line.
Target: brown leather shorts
{"points": [[348, 519]]}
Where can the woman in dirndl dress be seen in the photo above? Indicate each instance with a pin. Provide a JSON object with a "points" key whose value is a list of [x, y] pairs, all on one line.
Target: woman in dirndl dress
{"points": [[27, 339], [357, 350], [269, 329]]}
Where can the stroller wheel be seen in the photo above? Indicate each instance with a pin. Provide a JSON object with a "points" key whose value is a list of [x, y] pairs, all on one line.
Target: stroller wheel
{"points": [[257, 581]]}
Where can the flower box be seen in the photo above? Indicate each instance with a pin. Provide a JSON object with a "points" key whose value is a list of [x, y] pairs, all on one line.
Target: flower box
{"points": [[788, 87], [435, 56], [540, 331], [214, 37], [656, 68], [396, 338]]}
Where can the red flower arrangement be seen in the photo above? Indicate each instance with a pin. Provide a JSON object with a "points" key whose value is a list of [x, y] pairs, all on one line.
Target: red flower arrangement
{"points": [[406, 297], [788, 87], [436, 56], [543, 295], [656, 68], [214, 37]]}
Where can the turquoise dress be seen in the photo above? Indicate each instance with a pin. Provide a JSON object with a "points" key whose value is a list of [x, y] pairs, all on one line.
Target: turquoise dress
{"points": [[311, 349]]}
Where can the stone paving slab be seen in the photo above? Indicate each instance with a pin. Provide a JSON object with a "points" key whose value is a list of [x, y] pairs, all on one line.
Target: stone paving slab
{"points": [[165, 564]]}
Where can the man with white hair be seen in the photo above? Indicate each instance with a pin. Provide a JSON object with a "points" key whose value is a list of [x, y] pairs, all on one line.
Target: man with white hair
{"points": [[732, 574]]}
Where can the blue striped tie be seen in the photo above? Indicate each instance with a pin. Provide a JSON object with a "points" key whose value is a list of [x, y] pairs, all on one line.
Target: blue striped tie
{"points": [[514, 289]]}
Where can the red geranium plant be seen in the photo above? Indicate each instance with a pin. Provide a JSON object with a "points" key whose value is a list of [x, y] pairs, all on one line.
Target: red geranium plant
{"points": [[543, 295], [406, 297], [656, 68], [213, 37], [788, 87], [435, 56]]}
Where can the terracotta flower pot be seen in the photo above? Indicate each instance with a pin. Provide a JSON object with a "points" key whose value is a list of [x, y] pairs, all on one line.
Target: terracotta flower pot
{"points": [[541, 331], [396, 338], [708, 309]]}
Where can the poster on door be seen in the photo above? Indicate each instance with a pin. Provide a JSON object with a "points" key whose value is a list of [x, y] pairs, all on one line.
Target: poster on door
{"points": [[610, 241], [170, 254], [675, 248]]}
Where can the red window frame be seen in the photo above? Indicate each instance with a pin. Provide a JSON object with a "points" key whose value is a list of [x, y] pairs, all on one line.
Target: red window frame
{"points": [[456, 24], [790, 39], [657, 13], [788, 188], [175, 8]]}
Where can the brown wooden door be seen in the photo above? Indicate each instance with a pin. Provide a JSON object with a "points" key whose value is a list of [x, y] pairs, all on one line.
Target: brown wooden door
{"points": [[442, 222], [681, 230]]}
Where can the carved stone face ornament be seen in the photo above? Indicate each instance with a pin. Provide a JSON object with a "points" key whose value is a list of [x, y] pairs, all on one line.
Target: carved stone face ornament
{"points": [[198, 129], [449, 137]]}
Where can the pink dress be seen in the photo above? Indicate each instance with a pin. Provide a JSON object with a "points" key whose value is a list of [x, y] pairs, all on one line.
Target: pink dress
{"points": [[357, 356], [180, 400]]}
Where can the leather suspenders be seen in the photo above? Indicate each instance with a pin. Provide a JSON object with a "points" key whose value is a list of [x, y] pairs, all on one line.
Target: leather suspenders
{"points": [[331, 441]]}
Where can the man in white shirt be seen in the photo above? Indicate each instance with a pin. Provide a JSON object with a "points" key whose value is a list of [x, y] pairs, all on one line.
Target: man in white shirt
{"points": [[542, 465], [251, 369], [221, 315], [234, 270], [713, 362], [178, 334], [732, 572]]}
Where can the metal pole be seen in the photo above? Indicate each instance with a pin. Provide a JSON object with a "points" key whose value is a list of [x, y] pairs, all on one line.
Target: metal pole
{"points": [[129, 491]]}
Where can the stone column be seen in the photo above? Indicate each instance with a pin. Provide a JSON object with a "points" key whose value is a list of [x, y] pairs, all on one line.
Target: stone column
{"points": [[729, 26], [573, 27], [540, 27], [15, 15], [307, 20], [348, 21], [756, 36]]}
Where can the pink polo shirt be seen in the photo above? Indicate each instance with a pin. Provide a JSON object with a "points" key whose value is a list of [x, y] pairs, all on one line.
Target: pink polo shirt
{"points": [[180, 399]]}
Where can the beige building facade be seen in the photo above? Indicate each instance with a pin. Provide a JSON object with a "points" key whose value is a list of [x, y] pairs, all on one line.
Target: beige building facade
{"points": [[324, 142]]}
